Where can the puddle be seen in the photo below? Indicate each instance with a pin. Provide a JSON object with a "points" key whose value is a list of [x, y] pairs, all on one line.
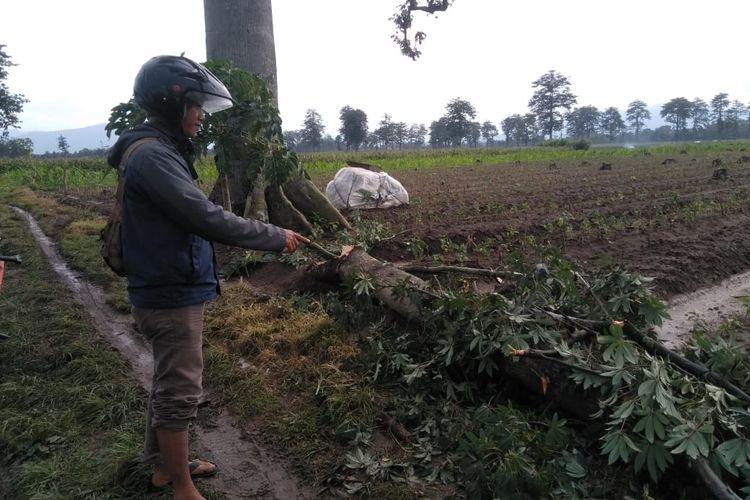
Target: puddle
{"points": [[247, 470], [714, 305]]}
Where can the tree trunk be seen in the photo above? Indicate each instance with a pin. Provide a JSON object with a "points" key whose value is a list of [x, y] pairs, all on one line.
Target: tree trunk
{"points": [[241, 31], [309, 200]]}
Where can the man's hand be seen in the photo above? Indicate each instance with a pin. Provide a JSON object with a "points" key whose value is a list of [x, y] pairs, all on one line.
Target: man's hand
{"points": [[293, 240]]}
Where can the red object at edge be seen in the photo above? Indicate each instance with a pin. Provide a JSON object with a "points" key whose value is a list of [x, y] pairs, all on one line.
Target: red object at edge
{"points": [[2, 267]]}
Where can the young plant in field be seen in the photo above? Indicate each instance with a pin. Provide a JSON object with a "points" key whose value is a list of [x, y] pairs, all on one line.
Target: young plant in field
{"points": [[416, 247]]}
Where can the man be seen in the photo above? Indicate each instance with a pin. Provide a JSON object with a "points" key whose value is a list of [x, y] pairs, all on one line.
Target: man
{"points": [[168, 225]]}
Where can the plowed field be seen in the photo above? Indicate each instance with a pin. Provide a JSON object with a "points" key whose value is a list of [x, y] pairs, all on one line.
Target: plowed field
{"points": [[682, 219]]}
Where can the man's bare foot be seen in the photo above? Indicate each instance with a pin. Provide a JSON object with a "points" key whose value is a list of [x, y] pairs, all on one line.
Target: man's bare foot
{"points": [[198, 468], [188, 493]]}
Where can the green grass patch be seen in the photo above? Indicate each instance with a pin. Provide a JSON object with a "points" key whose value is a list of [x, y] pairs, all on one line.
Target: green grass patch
{"points": [[328, 163], [70, 416], [77, 233]]}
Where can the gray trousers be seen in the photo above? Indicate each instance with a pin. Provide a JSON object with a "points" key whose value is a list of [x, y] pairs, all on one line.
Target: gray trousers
{"points": [[176, 337]]}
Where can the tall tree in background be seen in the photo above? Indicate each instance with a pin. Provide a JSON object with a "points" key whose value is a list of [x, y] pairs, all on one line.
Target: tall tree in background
{"points": [[63, 146], [677, 112], [11, 105], [700, 115], [719, 105], [552, 95], [459, 117], [353, 127], [509, 126], [636, 115], [489, 132], [400, 133], [734, 114], [387, 132], [612, 123], [312, 130], [439, 137], [583, 121], [416, 135], [520, 129]]}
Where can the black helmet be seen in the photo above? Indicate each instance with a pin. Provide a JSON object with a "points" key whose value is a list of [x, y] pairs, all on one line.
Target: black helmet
{"points": [[165, 83]]}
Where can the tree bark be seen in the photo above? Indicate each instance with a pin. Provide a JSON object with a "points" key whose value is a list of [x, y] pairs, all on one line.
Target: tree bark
{"points": [[241, 31], [387, 277], [282, 213], [308, 199]]}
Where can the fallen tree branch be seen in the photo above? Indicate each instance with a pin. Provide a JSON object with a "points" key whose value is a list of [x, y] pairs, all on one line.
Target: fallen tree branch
{"points": [[458, 269], [695, 368], [395, 427], [322, 250], [715, 485], [692, 367], [548, 355]]}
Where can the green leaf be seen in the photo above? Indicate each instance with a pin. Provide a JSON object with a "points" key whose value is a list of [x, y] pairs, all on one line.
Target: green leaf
{"points": [[618, 446], [735, 452], [624, 410], [647, 389], [656, 458], [653, 311]]}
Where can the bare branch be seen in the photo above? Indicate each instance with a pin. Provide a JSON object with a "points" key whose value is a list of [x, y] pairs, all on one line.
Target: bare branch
{"points": [[403, 21]]}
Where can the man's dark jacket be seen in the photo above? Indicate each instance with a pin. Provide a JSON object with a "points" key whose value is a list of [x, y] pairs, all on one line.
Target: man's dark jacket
{"points": [[168, 223]]}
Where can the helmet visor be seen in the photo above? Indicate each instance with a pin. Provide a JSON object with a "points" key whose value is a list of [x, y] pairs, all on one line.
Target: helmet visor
{"points": [[211, 103], [208, 91]]}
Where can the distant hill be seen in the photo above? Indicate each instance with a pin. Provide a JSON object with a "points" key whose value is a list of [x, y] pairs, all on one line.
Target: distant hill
{"points": [[91, 137]]}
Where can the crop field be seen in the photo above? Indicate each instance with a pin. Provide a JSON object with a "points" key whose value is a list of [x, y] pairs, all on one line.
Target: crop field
{"points": [[679, 216]]}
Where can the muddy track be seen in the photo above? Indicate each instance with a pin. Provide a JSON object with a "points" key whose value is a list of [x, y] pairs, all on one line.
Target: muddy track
{"points": [[247, 469]]}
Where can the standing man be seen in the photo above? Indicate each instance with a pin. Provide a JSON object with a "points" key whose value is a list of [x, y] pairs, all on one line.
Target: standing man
{"points": [[168, 225]]}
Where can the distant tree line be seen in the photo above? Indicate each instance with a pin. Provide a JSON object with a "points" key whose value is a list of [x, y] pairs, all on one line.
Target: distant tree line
{"points": [[552, 113]]}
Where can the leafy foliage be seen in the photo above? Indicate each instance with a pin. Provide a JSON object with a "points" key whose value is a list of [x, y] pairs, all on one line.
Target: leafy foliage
{"points": [[552, 93], [453, 387], [254, 121], [11, 105], [403, 21]]}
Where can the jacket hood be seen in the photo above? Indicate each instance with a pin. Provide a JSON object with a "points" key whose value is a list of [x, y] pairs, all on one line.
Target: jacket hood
{"points": [[129, 137], [152, 128]]}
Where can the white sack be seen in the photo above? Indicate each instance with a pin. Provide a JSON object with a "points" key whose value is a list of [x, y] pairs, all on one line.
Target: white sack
{"points": [[359, 188]]}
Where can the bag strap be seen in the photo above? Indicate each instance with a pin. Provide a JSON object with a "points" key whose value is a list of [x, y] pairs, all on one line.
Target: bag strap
{"points": [[121, 167]]}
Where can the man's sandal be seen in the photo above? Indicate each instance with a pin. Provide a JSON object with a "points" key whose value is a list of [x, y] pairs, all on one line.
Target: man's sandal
{"points": [[210, 469]]}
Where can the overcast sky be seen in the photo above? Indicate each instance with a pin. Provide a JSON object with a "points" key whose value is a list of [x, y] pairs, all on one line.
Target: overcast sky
{"points": [[77, 58]]}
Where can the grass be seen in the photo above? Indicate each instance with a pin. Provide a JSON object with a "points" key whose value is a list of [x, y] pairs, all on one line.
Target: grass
{"points": [[71, 417], [282, 364], [77, 232], [66, 401], [328, 163]]}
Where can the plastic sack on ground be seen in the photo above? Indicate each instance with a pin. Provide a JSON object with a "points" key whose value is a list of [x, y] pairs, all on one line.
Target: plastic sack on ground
{"points": [[354, 187]]}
